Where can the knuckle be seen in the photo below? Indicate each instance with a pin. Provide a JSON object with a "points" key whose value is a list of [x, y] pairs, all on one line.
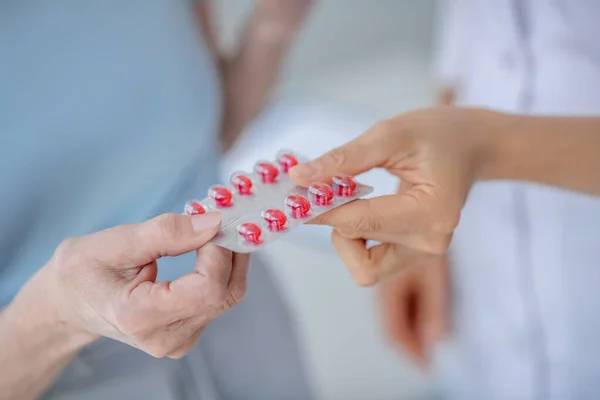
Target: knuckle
{"points": [[66, 257], [238, 294], [447, 224], [127, 325], [384, 135], [453, 220], [442, 245], [440, 233], [338, 158], [167, 226], [132, 321], [437, 245], [363, 223], [219, 295], [157, 351], [65, 250], [383, 128], [364, 278], [231, 302]]}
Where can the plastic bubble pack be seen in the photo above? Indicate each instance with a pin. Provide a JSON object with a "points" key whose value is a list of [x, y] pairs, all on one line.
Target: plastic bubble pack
{"points": [[260, 207]]}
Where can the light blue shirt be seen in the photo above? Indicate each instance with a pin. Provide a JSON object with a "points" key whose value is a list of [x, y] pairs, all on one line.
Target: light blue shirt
{"points": [[108, 114]]}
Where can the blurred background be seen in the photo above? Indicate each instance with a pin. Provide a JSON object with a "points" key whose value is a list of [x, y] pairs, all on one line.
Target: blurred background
{"points": [[113, 112], [108, 111], [356, 61]]}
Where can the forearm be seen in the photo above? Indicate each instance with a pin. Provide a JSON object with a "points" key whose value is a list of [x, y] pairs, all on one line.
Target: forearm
{"points": [[35, 345], [251, 74], [557, 151]]}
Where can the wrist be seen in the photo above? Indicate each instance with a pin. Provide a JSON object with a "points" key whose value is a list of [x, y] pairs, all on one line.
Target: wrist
{"points": [[496, 144], [37, 310]]}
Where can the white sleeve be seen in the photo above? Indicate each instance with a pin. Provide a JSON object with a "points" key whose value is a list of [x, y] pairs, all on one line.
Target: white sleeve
{"points": [[449, 42]]}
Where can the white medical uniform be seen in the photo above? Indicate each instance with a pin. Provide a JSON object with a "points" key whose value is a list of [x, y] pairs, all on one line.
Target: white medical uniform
{"points": [[526, 258]]}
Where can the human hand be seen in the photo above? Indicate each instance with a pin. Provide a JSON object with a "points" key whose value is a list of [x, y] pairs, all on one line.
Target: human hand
{"points": [[104, 284], [415, 308], [437, 153]]}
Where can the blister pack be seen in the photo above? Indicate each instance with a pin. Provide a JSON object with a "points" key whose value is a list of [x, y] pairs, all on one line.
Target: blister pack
{"points": [[259, 207]]}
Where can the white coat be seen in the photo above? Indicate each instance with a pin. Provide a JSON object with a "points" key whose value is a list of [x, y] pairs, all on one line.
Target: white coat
{"points": [[526, 258]]}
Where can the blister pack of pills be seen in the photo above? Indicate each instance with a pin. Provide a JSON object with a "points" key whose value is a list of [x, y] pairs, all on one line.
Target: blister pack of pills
{"points": [[260, 207]]}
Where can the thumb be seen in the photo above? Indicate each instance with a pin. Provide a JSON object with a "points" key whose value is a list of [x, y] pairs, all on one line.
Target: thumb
{"points": [[173, 235], [166, 235], [370, 150]]}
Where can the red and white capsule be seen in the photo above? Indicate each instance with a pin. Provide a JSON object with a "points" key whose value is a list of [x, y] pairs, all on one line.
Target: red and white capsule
{"points": [[221, 195], [344, 185], [194, 207], [286, 160], [298, 206], [250, 232], [320, 194], [275, 219], [267, 171], [242, 183]]}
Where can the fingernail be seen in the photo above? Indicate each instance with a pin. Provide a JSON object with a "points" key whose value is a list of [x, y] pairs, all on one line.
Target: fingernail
{"points": [[307, 170], [206, 222]]}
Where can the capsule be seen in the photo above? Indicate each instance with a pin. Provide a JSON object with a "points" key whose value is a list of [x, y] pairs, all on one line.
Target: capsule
{"points": [[194, 208], [275, 219], [320, 194], [242, 184], [221, 195], [267, 171], [250, 232], [344, 185], [298, 206], [286, 160]]}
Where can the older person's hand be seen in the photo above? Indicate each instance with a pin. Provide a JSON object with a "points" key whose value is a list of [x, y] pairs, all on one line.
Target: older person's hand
{"points": [[104, 284], [437, 154]]}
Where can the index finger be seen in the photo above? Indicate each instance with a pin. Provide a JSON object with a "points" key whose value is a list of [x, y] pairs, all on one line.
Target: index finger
{"points": [[370, 265], [197, 293], [370, 150], [386, 218]]}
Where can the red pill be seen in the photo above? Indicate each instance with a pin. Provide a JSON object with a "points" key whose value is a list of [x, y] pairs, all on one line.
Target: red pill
{"points": [[250, 232], [298, 206], [320, 194], [267, 171], [221, 195], [242, 183], [344, 185], [274, 218], [194, 208], [286, 160]]}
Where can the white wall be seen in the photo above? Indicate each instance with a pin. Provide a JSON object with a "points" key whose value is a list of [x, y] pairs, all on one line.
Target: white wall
{"points": [[365, 59], [370, 53]]}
